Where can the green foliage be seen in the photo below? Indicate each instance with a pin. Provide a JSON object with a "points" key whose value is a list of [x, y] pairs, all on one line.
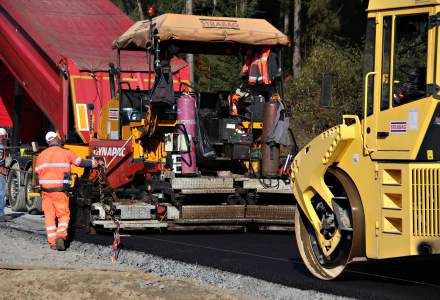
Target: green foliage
{"points": [[213, 73], [323, 18], [220, 73], [226, 8], [344, 63], [328, 26], [334, 20], [175, 6], [128, 7], [217, 73]]}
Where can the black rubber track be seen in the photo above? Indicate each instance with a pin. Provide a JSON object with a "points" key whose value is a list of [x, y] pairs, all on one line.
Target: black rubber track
{"points": [[274, 257]]}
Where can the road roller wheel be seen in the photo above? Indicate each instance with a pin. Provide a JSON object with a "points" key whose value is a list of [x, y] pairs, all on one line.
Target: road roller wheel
{"points": [[347, 197]]}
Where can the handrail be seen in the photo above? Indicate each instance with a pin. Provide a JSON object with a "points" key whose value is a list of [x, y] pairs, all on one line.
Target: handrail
{"points": [[364, 125], [350, 117]]}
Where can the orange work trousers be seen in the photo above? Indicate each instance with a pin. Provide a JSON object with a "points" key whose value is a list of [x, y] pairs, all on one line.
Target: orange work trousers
{"points": [[56, 208]]}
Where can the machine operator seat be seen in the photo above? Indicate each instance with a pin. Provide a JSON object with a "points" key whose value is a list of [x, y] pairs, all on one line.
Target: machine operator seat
{"points": [[411, 87]]}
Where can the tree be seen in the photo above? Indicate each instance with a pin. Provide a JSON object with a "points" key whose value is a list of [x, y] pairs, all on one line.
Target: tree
{"points": [[141, 11], [323, 18], [335, 20], [220, 73], [285, 14], [174, 6], [190, 57], [296, 60], [227, 8]]}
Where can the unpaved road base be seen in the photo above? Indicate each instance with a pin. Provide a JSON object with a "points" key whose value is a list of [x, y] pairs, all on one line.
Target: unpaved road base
{"points": [[99, 284]]}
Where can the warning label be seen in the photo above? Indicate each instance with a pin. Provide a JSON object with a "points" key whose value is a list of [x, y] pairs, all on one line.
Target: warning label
{"points": [[113, 114]]}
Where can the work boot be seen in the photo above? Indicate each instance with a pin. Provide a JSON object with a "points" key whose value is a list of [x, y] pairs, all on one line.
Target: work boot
{"points": [[53, 247], [60, 244]]}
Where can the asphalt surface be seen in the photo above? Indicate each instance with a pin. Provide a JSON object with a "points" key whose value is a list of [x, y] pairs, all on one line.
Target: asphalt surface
{"points": [[274, 257]]}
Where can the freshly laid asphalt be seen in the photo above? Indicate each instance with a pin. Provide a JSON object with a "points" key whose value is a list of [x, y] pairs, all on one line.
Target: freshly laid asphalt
{"points": [[274, 257]]}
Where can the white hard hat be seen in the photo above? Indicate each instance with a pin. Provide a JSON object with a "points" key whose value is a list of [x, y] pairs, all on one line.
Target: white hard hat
{"points": [[3, 132], [50, 136]]}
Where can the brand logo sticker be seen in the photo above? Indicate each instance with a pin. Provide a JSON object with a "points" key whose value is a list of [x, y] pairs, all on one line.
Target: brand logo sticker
{"points": [[222, 24], [398, 126], [109, 151], [113, 114]]}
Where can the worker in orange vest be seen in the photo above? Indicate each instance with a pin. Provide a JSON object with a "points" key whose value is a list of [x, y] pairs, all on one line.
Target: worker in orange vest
{"points": [[262, 68], [53, 169]]}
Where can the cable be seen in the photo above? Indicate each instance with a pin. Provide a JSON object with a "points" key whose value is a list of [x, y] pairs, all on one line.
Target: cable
{"points": [[261, 180], [188, 143]]}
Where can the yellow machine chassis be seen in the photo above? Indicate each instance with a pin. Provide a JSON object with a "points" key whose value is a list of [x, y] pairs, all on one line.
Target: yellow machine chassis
{"points": [[393, 174]]}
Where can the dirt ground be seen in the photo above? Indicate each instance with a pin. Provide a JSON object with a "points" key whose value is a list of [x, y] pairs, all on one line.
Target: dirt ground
{"points": [[29, 269], [44, 283]]}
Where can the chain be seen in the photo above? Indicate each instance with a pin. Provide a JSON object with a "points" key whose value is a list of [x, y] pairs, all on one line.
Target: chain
{"points": [[110, 210], [116, 246]]}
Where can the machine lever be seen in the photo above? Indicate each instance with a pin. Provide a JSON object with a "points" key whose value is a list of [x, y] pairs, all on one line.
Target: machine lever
{"points": [[382, 134]]}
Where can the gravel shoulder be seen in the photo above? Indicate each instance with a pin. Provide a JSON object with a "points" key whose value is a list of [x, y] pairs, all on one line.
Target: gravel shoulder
{"points": [[24, 254]]}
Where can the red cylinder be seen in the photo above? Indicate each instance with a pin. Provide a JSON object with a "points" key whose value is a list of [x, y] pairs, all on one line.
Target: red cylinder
{"points": [[186, 119]]}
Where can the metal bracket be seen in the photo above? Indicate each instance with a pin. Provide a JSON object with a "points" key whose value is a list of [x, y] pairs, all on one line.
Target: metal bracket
{"points": [[432, 89], [342, 217], [434, 20]]}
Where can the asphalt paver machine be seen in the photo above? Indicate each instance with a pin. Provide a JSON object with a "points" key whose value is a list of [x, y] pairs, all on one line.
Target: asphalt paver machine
{"points": [[205, 159]]}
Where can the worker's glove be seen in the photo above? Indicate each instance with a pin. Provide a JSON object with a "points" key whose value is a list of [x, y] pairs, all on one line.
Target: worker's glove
{"points": [[98, 161], [241, 93], [101, 169], [100, 164], [94, 163]]}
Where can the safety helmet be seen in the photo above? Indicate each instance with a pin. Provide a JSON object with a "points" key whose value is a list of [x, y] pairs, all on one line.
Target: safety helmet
{"points": [[51, 136], [3, 132]]}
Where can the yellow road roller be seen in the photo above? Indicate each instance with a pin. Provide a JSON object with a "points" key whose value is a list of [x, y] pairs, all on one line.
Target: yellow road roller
{"points": [[369, 187]]}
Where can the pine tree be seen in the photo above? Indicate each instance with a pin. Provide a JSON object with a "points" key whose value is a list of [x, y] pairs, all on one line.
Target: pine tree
{"points": [[225, 8], [190, 57], [296, 59], [140, 9]]}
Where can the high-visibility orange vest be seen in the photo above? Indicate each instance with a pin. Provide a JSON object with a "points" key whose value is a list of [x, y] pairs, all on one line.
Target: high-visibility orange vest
{"points": [[264, 67], [233, 103], [53, 167], [254, 69], [259, 69]]}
